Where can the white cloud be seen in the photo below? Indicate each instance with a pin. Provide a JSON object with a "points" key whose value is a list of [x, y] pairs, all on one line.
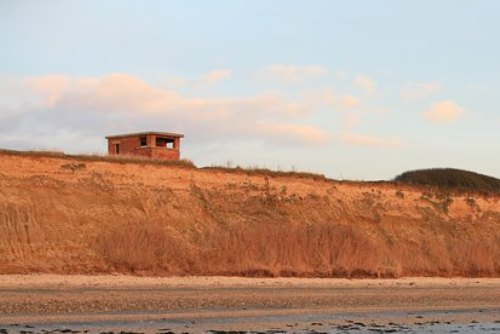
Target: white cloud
{"points": [[293, 74], [92, 107], [443, 112], [366, 83], [120, 103], [416, 91], [369, 140]]}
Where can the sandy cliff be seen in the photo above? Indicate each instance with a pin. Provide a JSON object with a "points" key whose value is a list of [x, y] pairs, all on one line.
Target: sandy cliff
{"points": [[65, 215]]}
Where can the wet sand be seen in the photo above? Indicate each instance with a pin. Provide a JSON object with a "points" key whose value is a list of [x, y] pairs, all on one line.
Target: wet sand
{"points": [[200, 304]]}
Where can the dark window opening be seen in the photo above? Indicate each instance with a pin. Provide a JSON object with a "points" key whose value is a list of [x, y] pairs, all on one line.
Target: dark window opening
{"points": [[168, 143], [144, 141], [117, 148]]}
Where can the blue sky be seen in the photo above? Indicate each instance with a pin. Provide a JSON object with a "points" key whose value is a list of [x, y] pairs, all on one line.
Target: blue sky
{"points": [[351, 89]]}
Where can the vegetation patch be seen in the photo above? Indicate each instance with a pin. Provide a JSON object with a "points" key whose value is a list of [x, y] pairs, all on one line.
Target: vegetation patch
{"points": [[451, 178]]}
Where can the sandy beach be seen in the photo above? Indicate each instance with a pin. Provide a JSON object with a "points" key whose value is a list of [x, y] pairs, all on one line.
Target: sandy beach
{"points": [[230, 303]]}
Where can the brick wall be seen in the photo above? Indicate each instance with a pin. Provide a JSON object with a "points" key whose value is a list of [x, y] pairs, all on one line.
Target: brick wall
{"points": [[130, 146]]}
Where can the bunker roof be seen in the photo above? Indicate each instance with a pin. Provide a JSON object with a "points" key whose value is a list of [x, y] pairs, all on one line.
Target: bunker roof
{"points": [[163, 134]]}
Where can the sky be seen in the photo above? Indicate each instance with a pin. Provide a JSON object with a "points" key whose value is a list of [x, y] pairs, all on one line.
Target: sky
{"points": [[360, 90]]}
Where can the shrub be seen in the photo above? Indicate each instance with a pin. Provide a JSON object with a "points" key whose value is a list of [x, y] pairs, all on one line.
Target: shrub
{"points": [[451, 178]]}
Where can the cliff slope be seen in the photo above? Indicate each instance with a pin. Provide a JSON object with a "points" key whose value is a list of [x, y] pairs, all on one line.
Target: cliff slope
{"points": [[73, 215]]}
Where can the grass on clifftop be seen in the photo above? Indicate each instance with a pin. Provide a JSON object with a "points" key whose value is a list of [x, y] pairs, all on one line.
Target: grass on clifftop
{"points": [[450, 178], [437, 177], [178, 163], [105, 158], [267, 172]]}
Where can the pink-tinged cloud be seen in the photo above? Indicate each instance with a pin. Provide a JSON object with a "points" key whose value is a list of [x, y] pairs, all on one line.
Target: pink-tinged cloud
{"points": [[350, 119], [303, 134], [368, 140], [341, 101], [443, 112], [51, 87], [366, 83], [132, 101], [214, 77], [119, 92], [331, 99], [128, 94], [417, 91], [293, 74]]}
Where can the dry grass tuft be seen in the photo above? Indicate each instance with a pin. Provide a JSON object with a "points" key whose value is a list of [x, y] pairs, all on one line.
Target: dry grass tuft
{"points": [[267, 172]]}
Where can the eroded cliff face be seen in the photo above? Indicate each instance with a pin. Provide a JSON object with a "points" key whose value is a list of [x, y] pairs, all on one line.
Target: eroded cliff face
{"points": [[66, 215]]}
